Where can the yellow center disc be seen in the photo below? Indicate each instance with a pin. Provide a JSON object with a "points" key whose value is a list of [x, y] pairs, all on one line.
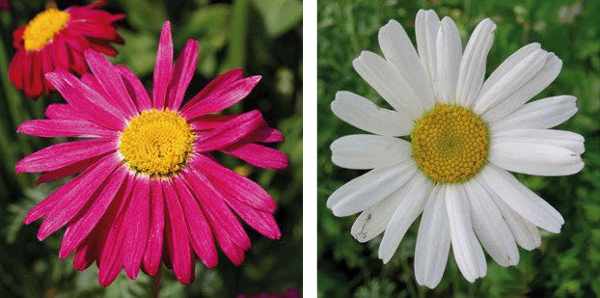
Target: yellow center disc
{"points": [[450, 144], [43, 27], [157, 143]]}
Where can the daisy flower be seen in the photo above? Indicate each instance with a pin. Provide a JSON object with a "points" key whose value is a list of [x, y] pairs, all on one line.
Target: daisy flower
{"points": [[147, 178], [56, 39], [465, 135]]}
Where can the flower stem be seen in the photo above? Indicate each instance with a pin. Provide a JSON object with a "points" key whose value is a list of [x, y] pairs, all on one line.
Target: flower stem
{"points": [[156, 283]]}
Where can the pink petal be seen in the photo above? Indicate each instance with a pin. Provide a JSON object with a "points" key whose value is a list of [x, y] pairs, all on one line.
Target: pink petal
{"points": [[184, 71], [65, 128], [136, 89], [233, 252], [176, 235], [46, 205], [199, 231], [222, 80], [258, 155], [72, 202], [262, 222], [208, 122], [137, 221], [69, 170], [92, 247], [154, 246], [91, 81], [239, 187], [110, 259], [222, 97], [229, 233], [163, 68], [266, 134], [213, 204], [111, 81], [229, 132], [64, 111], [63, 154], [86, 253], [82, 225], [85, 99]]}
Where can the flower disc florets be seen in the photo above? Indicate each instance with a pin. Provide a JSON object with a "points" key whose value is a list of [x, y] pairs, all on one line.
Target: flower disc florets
{"points": [[157, 142], [450, 144], [43, 27]]}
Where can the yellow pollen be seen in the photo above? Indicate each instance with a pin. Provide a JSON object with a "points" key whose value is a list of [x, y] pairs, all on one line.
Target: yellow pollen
{"points": [[43, 27], [450, 144], [157, 143]]}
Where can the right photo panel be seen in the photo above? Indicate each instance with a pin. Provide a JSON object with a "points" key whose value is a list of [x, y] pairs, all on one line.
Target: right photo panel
{"points": [[458, 148]]}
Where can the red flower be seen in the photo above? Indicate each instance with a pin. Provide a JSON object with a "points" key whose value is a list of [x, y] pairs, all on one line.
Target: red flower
{"points": [[56, 39]]}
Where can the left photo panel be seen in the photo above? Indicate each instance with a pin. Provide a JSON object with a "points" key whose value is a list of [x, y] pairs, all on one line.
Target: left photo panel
{"points": [[151, 148]]}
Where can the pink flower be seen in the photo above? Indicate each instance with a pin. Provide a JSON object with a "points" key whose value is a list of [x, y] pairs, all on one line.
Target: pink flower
{"points": [[147, 177], [56, 39], [4, 5]]}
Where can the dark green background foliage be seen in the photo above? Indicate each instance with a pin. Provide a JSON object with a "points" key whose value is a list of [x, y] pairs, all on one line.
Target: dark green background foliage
{"points": [[567, 264], [257, 35]]}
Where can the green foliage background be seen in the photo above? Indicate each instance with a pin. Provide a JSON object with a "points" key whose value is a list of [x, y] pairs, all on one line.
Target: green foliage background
{"points": [[567, 264], [258, 35]]}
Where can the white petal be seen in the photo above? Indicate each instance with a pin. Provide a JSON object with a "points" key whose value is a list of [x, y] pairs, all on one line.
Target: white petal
{"points": [[384, 78], [433, 240], [449, 53], [472, 65], [509, 64], [534, 159], [370, 188], [400, 52], [525, 233], [534, 86], [427, 26], [407, 211], [522, 200], [365, 152], [364, 114], [510, 82], [467, 251], [543, 113], [561, 138], [490, 227], [374, 219]]}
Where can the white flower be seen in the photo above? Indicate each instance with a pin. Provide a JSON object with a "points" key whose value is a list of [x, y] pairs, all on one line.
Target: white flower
{"points": [[466, 134]]}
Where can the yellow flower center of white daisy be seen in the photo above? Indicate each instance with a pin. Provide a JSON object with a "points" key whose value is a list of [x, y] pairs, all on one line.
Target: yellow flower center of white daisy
{"points": [[450, 144], [157, 142], [43, 27]]}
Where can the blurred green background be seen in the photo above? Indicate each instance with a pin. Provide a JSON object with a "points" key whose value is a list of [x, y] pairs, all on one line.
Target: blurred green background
{"points": [[567, 264], [262, 37]]}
